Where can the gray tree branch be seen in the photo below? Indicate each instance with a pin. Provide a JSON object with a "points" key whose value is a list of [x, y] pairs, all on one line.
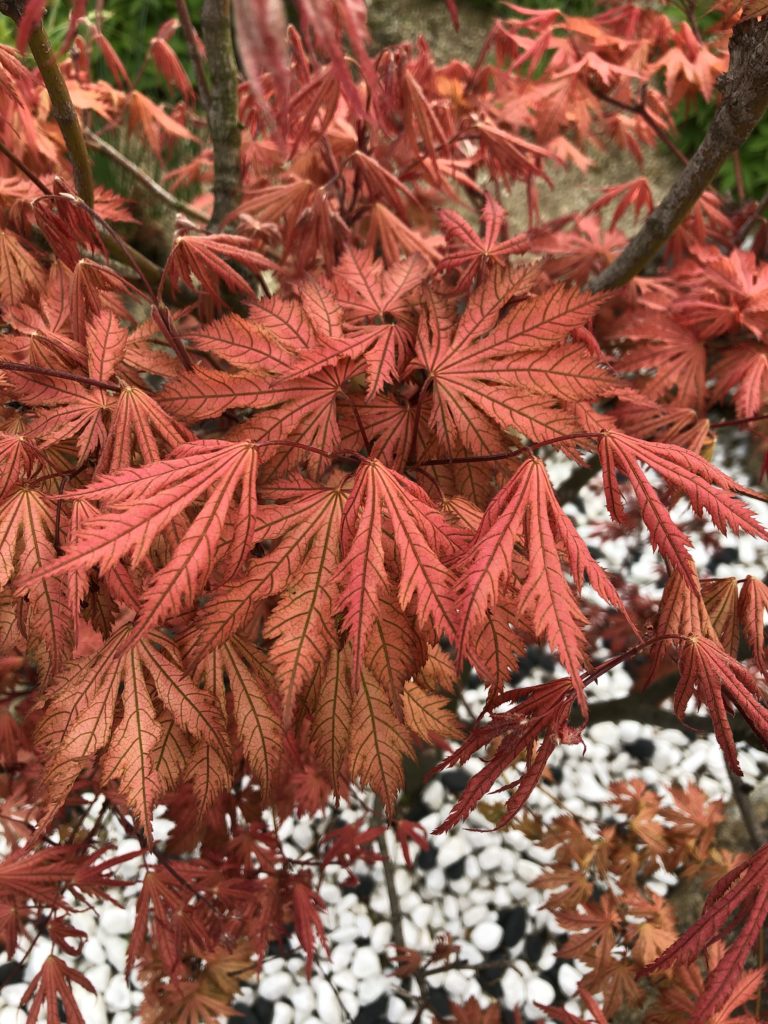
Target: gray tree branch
{"points": [[744, 90], [216, 23]]}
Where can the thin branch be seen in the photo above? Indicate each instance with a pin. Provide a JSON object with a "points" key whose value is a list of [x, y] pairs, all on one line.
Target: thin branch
{"points": [[216, 22], [498, 456], [395, 909], [747, 226], [745, 99], [661, 133], [190, 35], [141, 176], [43, 371], [741, 799], [21, 166], [62, 108], [743, 422]]}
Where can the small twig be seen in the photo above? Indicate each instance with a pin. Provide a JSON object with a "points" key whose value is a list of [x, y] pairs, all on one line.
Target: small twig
{"points": [[21, 166], [141, 176], [745, 228], [741, 799], [743, 422], [395, 909], [188, 28], [44, 371], [360, 424], [661, 133], [498, 456]]}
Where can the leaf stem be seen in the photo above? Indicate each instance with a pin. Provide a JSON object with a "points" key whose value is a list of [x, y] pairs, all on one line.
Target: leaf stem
{"points": [[44, 371], [743, 422], [21, 166], [498, 456]]}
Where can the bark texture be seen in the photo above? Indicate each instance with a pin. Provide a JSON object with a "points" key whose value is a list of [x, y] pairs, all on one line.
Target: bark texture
{"points": [[744, 90], [216, 23]]}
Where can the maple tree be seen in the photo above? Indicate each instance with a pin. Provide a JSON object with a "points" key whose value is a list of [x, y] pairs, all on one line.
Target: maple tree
{"points": [[273, 482]]}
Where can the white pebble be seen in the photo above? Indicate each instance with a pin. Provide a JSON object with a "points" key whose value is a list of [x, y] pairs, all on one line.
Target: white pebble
{"points": [[540, 991], [421, 915], [116, 948], [589, 789], [341, 955], [415, 938], [350, 1002], [455, 983], [604, 732], [373, 989], [116, 921], [461, 886], [451, 909], [490, 858], [527, 870], [379, 902], [403, 881], [475, 914], [346, 980], [487, 936], [434, 882], [469, 952], [303, 999], [282, 1013], [12, 993], [303, 835], [453, 849], [93, 952], [541, 854], [397, 1010], [273, 987], [665, 757], [117, 995], [12, 1015], [346, 933], [433, 795], [628, 730], [381, 936], [366, 963], [512, 989], [327, 1004], [330, 893], [568, 979], [99, 976], [91, 1006]]}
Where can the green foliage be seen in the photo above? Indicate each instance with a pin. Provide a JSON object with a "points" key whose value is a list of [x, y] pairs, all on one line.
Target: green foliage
{"points": [[129, 25]]}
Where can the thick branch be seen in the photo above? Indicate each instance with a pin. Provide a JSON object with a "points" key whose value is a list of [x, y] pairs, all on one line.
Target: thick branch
{"points": [[223, 121], [745, 99]]}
